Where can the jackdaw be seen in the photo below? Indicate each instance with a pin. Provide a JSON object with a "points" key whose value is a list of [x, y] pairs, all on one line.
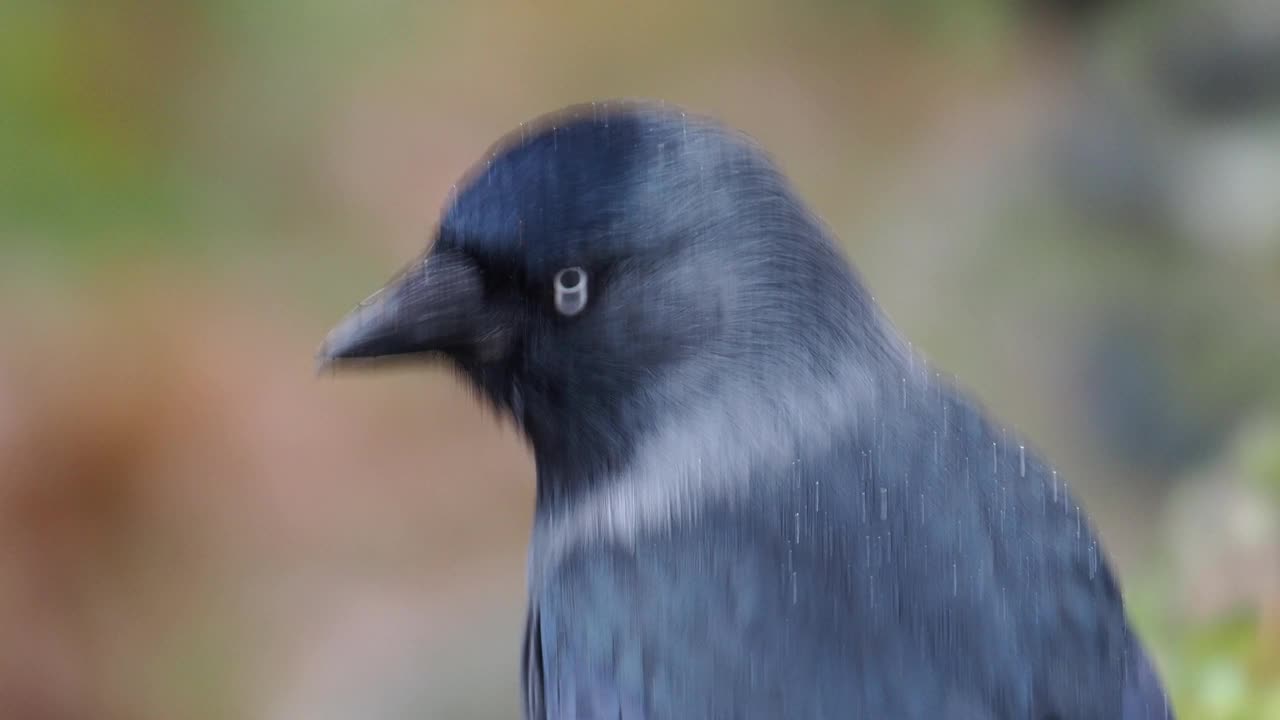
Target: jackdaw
{"points": [[754, 500]]}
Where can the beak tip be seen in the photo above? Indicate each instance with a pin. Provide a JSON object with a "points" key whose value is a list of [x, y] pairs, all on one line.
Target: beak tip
{"points": [[338, 344], [325, 359]]}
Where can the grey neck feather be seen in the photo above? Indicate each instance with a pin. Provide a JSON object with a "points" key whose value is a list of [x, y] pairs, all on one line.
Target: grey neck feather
{"points": [[715, 448]]}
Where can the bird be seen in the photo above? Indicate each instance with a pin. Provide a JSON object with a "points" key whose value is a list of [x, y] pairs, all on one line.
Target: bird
{"points": [[754, 497]]}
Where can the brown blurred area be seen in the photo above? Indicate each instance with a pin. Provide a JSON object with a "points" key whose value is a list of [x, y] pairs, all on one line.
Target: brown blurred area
{"points": [[186, 503], [194, 524]]}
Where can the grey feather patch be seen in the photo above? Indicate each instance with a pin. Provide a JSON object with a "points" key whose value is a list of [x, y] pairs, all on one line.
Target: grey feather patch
{"points": [[708, 453]]}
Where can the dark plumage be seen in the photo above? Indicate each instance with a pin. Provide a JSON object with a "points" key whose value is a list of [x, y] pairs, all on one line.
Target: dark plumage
{"points": [[753, 500]]}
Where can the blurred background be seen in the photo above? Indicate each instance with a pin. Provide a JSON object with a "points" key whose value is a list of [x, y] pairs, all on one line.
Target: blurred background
{"points": [[1072, 206]]}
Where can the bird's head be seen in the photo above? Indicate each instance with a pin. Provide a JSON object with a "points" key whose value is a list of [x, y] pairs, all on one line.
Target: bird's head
{"points": [[608, 266]]}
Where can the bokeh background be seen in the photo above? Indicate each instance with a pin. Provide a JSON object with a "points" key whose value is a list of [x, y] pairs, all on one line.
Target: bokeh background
{"points": [[1072, 206]]}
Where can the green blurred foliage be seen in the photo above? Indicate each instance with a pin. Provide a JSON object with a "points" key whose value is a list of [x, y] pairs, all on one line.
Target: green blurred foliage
{"points": [[1219, 669], [1261, 457], [88, 120], [1227, 672], [1225, 667]]}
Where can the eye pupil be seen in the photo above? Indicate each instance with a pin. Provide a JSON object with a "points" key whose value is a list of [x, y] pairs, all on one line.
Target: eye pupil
{"points": [[570, 291], [569, 278]]}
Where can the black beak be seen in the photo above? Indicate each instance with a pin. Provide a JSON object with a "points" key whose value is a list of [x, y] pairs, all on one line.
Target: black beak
{"points": [[434, 305]]}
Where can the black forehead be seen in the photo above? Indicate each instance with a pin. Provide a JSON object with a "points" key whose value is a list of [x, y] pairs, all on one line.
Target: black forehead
{"points": [[556, 192]]}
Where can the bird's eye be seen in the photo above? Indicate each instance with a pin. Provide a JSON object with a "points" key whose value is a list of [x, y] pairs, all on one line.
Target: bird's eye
{"points": [[570, 291]]}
